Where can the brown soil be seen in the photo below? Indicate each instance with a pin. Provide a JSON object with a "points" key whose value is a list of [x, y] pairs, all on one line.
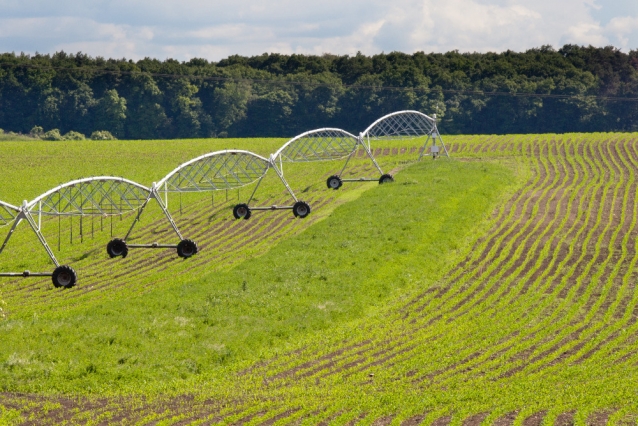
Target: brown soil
{"points": [[442, 421], [565, 419], [506, 420], [475, 420]]}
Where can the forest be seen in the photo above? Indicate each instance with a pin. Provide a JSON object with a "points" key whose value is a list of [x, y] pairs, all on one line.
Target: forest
{"points": [[541, 90]]}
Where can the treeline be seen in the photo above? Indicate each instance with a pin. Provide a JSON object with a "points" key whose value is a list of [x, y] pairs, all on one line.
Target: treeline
{"points": [[540, 90]]}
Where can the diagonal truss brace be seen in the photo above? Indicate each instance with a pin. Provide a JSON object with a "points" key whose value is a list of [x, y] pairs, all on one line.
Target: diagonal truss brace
{"points": [[272, 164], [25, 214], [366, 148], [325, 144], [154, 194]]}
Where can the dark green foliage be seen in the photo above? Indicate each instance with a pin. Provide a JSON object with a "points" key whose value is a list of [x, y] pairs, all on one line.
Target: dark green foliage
{"points": [[283, 95], [102, 135], [110, 113], [74, 136], [53, 135]]}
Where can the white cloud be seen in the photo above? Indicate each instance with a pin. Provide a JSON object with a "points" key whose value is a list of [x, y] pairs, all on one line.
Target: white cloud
{"points": [[623, 29], [218, 28], [586, 33]]}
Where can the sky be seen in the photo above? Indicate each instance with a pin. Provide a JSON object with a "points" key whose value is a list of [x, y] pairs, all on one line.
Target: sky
{"points": [[216, 29]]}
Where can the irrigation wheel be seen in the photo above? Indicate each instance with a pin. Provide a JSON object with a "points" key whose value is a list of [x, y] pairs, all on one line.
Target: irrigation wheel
{"points": [[386, 179], [64, 276], [334, 182], [241, 211], [301, 209], [186, 248], [117, 247]]}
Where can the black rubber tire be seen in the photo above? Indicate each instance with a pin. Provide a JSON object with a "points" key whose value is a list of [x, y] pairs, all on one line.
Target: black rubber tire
{"points": [[242, 211], [117, 247], [186, 249], [301, 209], [386, 179], [334, 182], [64, 276]]}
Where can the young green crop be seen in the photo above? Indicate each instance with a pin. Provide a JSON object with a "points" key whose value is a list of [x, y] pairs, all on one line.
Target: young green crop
{"points": [[496, 285]]}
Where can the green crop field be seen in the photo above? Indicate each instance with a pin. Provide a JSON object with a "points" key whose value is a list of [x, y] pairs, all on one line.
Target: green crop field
{"points": [[494, 287]]}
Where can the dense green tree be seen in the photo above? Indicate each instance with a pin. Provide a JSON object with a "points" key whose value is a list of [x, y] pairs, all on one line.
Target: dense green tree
{"points": [[110, 113], [229, 105], [147, 118], [574, 88]]}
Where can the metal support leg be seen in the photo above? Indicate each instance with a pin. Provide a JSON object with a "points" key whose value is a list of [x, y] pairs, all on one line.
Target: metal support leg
{"points": [[13, 228], [157, 197], [137, 218], [255, 190], [35, 228], [425, 145], [347, 161], [367, 149], [281, 176]]}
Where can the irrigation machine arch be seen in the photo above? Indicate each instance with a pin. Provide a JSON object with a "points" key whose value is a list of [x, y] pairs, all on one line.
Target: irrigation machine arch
{"points": [[324, 144], [396, 125], [103, 196], [219, 170], [335, 144], [405, 125]]}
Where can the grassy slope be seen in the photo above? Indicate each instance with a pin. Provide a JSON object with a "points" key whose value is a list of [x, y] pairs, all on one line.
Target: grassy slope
{"points": [[391, 239]]}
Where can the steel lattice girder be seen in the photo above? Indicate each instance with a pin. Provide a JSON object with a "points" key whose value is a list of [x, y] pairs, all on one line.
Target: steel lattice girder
{"points": [[8, 213], [216, 171], [405, 125], [318, 145], [401, 125], [219, 170], [103, 196]]}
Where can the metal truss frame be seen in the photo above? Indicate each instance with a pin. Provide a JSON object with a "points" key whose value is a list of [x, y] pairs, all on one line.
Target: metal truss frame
{"points": [[327, 144], [318, 145], [398, 125], [324, 144], [219, 170], [8, 213], [406, 125], [96, 196]]}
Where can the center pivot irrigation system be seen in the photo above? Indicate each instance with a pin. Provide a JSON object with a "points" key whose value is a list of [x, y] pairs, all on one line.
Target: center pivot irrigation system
{"points": [[102, 196], [106, 196], [220, 170], [336, 144]]}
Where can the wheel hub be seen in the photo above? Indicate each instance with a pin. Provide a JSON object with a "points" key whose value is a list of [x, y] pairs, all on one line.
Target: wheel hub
{"points": [[64, 279]]}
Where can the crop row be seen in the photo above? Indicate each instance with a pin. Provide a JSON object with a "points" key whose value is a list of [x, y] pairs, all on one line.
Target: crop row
{"points": [[537, 324], [224, 242], [548, 293]]}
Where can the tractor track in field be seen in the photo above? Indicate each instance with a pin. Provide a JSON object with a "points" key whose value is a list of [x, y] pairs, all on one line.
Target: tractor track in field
{"points": [[606, 238], [350, 364], [353, 363]]}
